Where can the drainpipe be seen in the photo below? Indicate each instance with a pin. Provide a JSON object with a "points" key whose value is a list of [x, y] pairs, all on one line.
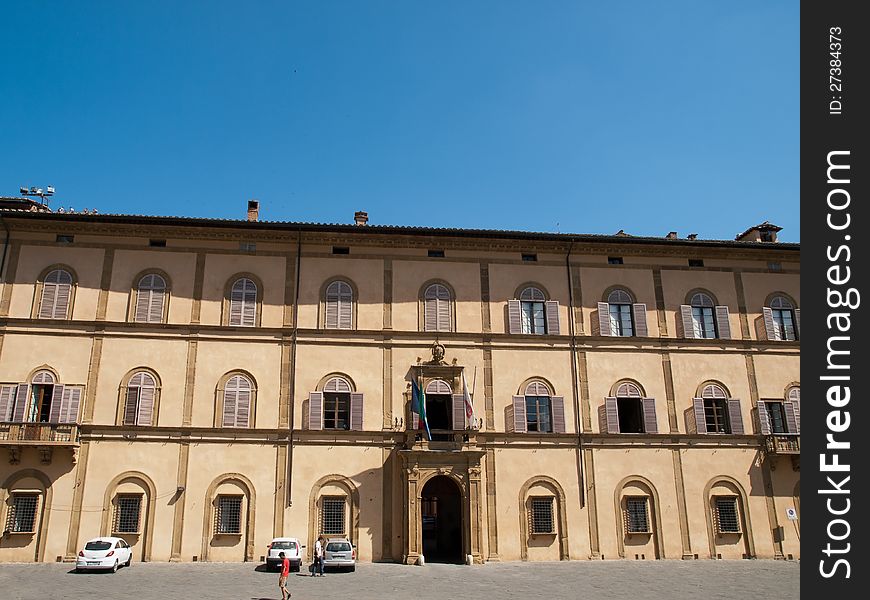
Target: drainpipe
{"points": [[292, 382], [574, 388]]}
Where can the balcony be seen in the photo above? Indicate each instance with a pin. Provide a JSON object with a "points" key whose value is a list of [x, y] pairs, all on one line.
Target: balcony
{"points": [[783, 445], [45, 437], [442, 439]]}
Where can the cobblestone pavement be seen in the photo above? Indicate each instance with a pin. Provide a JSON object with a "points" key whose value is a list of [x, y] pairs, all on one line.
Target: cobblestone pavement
{"points": [[672, 580]]}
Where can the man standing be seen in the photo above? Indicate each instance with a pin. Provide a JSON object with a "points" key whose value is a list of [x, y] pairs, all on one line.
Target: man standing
{"points": [[282, 579], [318, 557]]}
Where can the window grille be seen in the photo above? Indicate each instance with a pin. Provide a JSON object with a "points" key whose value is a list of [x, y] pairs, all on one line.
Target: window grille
{"points": [[22, 513], [542, 515], [128, 508], [229, 515], [727, 520], [637, 514], [332, 513]]}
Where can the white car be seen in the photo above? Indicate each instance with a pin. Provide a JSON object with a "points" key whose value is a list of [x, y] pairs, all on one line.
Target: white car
{"points": [[104, 553], [291, 548]]}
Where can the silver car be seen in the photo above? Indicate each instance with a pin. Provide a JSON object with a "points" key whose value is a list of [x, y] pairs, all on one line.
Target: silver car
{"points": [[339, 552]]}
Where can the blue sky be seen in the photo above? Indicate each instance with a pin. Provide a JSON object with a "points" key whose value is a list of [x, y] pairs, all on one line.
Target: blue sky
{"points": [[585, 117]]}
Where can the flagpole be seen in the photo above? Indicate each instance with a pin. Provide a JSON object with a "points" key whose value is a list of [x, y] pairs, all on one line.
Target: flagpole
{"points": [[473, 385]]}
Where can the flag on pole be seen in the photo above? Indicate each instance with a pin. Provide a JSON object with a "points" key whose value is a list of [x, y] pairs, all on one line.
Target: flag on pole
{"points": [[418, 405], [469, 409]]}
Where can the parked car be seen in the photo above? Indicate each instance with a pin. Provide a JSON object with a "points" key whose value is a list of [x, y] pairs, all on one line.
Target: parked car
{"points": [[339, 552], [291, 548], [104, 553]]}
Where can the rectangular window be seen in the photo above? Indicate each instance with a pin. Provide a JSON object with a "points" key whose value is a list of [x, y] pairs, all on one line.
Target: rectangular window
{"points": [[727, 519], [774, 266], [538, 414], [776, 416], [783, 320], [229, 515], [614, 260], [533, 317], [247, 246], [703, 323], [630, 413], [65, 239], [22, 513], [157, 243], [696, 262], [436, 253], [637, 514], [336, 410], [340, 250], [530, 258], [332, 516], [542, 515], [716, 415], [620, 320], [127, 510]]}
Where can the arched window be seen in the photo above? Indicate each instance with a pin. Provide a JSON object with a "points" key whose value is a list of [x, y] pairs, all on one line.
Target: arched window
{"points": [[150, 299], [339, 306], [437, 310], [56, 295], [238, 400], [702, 318], [41, 400], [536, 410], [335, 406], [716, 412], [621, 322], [140, 399], [628, 411], [782, 320], [703, 323], [243, 303], [533, 315], [781, 417]]}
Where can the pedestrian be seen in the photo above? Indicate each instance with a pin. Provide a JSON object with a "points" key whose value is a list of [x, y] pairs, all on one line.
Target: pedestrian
{"points": [[318, 556], [282, 579]]}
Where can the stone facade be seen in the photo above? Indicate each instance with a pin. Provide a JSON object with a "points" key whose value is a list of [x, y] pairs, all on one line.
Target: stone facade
{"points": [[247, 397]]}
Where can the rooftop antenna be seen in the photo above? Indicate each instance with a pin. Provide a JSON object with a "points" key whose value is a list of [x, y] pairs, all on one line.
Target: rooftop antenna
{"points": [[47, 192]]}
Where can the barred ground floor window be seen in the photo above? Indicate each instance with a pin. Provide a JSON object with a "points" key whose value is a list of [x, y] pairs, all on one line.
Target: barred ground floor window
{"points": [[726, 515], [128, 511], [228, 519], [332, 519], [21, 517], [637, 514], [541, 515]]}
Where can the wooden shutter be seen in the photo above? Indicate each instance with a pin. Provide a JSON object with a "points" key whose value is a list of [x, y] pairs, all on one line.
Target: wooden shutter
{"points": [[517, 415], [430, 314], [604, 319], [237, 299], [22, 399], [611, 415], [551, 308], [72, 397], [131, 406], [146, 405], [56, 404], [356, 411], [790, 417], [143, 302], [650, 424], [686, 320], [7, 402], [735, 416], [458, 412], [771, 330], [249, 310], [48, 300], [797, 322], [763, 418], [443, 312], [331, 319], [557, 405], [155, 311], [345, 312], [796, 409], [723, 323], [640, 326], [515, 320], [243, 407], [230, 400], [315, 410], [700, 416]]}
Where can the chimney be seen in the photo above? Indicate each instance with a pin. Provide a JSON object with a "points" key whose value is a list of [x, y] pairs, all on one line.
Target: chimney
{"points": [[672, 235], [361, 217], [253, 210], [692, 236]]}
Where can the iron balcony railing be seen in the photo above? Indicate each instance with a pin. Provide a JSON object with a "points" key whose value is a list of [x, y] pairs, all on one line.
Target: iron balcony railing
{"points": [[39, 434]]}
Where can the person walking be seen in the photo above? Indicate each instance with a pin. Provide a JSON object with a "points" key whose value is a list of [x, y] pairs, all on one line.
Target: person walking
{"points": [[318, 556], [282, 579]]}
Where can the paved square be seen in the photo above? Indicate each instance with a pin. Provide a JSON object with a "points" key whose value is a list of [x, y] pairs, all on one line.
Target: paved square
{"points": [[617, 580]]}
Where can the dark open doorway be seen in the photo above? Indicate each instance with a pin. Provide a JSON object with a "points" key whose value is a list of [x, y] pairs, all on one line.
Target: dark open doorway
{"points": [[441, 512], [438, 413]]}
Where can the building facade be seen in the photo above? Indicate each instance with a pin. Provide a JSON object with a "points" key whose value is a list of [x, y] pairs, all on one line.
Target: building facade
{"points": [[201, 386]]}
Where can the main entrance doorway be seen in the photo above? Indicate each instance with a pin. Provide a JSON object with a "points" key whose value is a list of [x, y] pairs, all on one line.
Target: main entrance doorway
{"points": [[441, 516]]}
